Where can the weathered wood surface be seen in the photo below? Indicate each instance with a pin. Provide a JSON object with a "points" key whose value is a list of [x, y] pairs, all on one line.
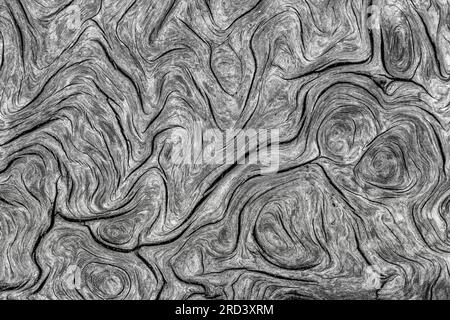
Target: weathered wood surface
{"points": [[96, 95]]}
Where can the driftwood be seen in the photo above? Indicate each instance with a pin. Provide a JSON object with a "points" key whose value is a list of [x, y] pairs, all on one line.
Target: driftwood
{"points": [[224, 149]]}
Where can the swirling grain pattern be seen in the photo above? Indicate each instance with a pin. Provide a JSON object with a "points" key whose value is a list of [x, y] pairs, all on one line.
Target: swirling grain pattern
{"points": [[96, 95]]}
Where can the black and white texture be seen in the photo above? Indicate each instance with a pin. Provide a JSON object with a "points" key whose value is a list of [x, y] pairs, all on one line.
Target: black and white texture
{"points": [[92, 207]]}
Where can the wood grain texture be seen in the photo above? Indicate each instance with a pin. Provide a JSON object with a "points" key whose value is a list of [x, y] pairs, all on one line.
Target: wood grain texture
{"points": [[96, 95]]}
